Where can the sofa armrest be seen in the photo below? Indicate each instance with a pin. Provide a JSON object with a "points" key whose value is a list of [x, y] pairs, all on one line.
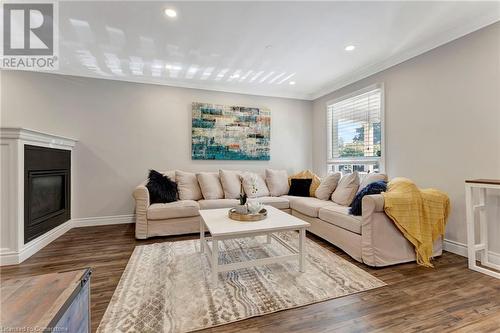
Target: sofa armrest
{"points": [[141, 196], [382, 243], [373, 203]]}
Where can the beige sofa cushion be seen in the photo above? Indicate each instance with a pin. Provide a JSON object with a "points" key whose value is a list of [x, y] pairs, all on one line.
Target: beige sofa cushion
{"points": [[276, 202], [327, 186], [308, 205], [254, 185], [231, 183], [171, 210], [210, 185], [370, 178], [339, 216], [291, 197], [346, 189], [277, 182], [187, 186], [218, 203]]}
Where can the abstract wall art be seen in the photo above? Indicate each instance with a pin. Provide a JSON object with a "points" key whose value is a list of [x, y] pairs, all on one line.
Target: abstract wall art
{"points": [[222, 132]]}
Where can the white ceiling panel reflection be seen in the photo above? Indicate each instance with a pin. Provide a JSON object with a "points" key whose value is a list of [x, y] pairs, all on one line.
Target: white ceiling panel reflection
{"points": [[286, 49]]}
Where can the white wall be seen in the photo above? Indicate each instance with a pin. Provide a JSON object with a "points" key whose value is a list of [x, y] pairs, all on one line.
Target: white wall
{"points": [[442, 120], [126, 128], [442, 126]]}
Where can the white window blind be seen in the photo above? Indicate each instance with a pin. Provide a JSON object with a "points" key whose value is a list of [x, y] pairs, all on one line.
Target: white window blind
{"points": [[355, 132]]}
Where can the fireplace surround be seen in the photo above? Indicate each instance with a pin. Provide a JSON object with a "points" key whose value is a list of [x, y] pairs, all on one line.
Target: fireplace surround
{"points": [[35, 191], [47, 188]]}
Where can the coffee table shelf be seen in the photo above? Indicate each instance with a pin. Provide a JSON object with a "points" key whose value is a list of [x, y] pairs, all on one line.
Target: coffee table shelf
{"points": [[221, 228]]}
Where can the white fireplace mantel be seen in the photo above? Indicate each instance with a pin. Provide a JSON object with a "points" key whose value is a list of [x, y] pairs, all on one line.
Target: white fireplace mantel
{"points": [[12, 142]]}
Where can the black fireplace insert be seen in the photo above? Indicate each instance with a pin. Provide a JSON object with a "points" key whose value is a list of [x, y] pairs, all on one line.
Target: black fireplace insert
{"points": [[47, 184]]}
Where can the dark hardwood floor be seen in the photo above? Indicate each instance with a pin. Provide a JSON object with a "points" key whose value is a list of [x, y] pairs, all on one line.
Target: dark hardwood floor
{"points": [[448, 298]]}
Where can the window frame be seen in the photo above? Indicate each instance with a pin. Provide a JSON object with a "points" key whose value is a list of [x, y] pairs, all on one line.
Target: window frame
{"points": [[359, 160]]}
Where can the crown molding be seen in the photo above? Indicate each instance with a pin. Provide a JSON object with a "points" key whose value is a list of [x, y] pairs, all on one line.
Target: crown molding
{"points": [[192, 85], [437, 41]]}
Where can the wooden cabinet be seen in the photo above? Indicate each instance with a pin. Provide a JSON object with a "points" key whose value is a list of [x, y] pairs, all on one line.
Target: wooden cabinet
{"points": [[57, 302]]}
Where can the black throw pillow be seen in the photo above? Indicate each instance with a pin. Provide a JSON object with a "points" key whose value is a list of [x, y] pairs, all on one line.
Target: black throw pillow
{"points": [[300, 187], [161, 188], [372, 188]]}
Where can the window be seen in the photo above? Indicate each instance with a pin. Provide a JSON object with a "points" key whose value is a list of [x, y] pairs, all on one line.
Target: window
{"points": [[355, 126]]}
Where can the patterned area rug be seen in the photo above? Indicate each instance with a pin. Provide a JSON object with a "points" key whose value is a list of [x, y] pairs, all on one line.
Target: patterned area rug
{"points": [[166, 286]]}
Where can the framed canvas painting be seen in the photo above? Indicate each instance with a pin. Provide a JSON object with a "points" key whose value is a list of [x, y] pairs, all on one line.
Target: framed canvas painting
{"points": [[222, 132]]}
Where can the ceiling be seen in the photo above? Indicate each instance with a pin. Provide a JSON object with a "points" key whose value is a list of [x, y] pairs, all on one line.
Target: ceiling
{"points": [[256, 47]]}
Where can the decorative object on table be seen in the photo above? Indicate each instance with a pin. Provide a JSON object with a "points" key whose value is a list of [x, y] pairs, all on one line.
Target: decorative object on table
{"points": [[254, 206], [471, 187], [420, 214], [161, 188], [260, 215], [242, 207], [300, 187], [373, 188], [222, 132], [168, 275], [307, 174]]}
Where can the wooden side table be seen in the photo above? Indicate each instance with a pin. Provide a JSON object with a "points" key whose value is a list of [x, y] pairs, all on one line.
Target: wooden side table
{"points": [[481, 185], [55, 302]]}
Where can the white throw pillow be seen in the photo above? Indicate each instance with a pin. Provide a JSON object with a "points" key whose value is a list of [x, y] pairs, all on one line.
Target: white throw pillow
{"points": [[187, 185], [370, 178], [346, 189], [210, 185], [231, 183], [327, 186], [277, 182], [254, 185]]}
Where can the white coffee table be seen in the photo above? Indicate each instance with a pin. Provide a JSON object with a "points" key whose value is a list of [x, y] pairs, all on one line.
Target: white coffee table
{"points": [[221, 227]]}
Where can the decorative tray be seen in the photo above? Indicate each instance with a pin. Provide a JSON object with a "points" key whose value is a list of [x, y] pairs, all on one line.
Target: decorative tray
{"points": [[247, 217]]}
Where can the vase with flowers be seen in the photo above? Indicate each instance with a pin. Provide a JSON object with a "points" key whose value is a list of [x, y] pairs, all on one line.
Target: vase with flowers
{"points": [[254, 207], [242, 207]]}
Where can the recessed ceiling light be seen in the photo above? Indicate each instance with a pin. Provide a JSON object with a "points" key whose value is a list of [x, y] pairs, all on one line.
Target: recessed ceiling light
{"points": [[235, 76], [350, 48], [170, 12], [291, 83]]}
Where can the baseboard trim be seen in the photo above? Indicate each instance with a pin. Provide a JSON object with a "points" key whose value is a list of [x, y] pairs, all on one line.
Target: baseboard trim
{"points": [[29, 249], [461, 249], [9, 257], [455, 247], [102, 220]]}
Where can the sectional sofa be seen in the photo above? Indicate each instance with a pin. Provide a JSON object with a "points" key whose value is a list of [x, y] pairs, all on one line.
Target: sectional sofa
{"points": [[371, 238]]}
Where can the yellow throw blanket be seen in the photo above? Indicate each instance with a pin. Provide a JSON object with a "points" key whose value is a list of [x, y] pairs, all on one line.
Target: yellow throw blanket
{"points": [[420, 214]]}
